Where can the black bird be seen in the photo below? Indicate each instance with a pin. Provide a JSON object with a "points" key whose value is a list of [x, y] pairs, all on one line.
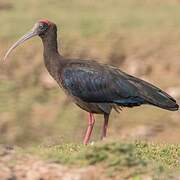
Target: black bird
{"points": [[94, 87]]}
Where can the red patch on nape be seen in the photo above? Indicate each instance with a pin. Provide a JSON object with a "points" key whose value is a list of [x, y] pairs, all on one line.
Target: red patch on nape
{"points": [[46, 21]]}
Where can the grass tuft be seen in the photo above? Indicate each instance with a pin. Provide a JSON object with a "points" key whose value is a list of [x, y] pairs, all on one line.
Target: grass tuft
{"points": [[115, 157]]}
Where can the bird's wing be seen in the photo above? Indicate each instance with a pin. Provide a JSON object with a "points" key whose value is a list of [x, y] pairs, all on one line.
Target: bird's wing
{"points": [[99, 83], [93, 82]]}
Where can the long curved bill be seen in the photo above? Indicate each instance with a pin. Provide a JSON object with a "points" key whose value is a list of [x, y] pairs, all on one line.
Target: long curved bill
{"points": [[20, 41]]}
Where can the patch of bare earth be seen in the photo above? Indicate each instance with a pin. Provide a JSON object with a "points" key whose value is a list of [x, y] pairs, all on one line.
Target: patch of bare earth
{"points": [[19, 166]]}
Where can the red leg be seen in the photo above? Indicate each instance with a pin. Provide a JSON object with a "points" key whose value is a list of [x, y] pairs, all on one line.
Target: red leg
{"points": [[105, 125], [91, 122]]}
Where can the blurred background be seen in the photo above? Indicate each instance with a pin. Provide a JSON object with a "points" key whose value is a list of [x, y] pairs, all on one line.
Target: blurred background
{"points": [[142, 37]]}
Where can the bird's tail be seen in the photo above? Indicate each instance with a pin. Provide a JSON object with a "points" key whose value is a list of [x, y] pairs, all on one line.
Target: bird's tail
{"points": [[155, 96], [163, 100]]}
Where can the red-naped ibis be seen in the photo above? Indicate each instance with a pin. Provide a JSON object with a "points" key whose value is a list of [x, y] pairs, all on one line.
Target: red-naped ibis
{"points": [[94, 87]]}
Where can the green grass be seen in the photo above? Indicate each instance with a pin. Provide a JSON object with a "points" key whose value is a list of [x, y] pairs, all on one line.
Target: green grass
{"points": [[166, 154], [157, 160]]}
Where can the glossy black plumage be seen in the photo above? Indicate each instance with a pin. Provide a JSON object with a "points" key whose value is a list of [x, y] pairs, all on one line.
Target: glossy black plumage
{"points": [[96, 83]]}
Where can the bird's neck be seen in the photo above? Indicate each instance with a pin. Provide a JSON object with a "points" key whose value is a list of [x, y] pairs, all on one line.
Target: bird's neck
{"points": [[50, 43], [52, 58]]}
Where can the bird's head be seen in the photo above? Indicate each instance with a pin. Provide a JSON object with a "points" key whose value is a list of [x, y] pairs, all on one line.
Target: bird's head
{"points": [[41, 28]]}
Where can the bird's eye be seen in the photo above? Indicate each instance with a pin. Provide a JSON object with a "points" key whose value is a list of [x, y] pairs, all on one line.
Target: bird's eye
{"points": [[43, 27]]}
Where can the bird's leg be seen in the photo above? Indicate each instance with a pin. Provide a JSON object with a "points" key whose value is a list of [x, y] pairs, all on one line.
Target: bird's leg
{"points": [[105, 125], [91, 122]]}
